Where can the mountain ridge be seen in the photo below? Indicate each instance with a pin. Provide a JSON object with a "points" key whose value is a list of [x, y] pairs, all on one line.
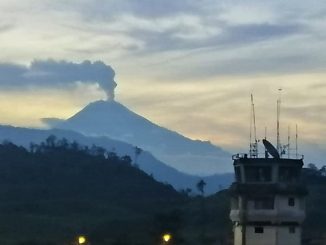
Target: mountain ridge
{"points": [[112, 119], [146, 161]]}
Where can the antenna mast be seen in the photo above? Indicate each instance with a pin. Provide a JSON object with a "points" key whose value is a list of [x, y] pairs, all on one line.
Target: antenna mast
{"points": [[266, 152], [253, 151], [265, 133], [289, 141], [250, 134], [296, 141], [278, 143]]}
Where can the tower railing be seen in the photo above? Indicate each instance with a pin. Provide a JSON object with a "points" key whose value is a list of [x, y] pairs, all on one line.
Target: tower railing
{"points": [[263, 155]]}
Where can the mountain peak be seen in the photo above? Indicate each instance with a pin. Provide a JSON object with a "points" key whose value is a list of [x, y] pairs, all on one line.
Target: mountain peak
{"points": [[105, 104], [108, 112], [112, 119], [107, 107]]}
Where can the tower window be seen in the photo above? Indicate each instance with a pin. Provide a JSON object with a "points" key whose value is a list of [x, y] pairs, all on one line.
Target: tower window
{"points": [[258, 174], [291, 202], [259, 229], [289, 174], [238, 174], [234, 203], [264, 203], [292, 229]]}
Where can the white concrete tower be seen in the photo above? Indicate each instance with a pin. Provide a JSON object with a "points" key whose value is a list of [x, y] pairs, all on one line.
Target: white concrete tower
{"points": [[267, 203]]}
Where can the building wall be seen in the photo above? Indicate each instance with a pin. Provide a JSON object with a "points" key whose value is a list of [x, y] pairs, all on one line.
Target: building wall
{"points": [[237, 235], [272, 235], [282, 212], [287, 238], [266, 238], [288, 213], [282, 203]]}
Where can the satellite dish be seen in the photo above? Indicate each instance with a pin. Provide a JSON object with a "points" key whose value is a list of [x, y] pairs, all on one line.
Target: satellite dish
{"points": [[271, 149]]}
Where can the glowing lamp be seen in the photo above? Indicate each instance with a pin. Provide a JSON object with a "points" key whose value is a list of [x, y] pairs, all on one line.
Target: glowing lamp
{"points": [[166, 237], [81, 240]]}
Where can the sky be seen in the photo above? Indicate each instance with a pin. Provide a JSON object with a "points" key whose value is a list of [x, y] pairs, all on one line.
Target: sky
{"points": [[188, 65]]}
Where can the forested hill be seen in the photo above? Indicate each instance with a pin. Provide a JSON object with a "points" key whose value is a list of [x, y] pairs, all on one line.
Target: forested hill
{"points": [[49, 171], [315, 224], [56, 190]]}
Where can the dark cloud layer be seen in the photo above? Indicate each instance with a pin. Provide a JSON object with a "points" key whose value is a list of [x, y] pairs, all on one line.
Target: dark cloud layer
{"points": [[103, 9], [257, 32], [51, 73], [229, 36], [189, 28], [148, 8]]}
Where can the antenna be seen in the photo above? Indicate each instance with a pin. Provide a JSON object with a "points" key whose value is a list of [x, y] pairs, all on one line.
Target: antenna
{"points": [[278, 143], [253, 150], [271, 149], [254, 117], [289, 137], [296, 141], [266, 152], [250, 134]]}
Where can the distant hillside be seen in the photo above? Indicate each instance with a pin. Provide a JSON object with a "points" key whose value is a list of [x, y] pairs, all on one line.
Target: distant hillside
{"points": [[146, 161], [61, 189], [109, 118], [315, 223]]}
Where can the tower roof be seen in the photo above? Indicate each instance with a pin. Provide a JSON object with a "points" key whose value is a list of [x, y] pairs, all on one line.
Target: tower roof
{"points": [[243, 160]]}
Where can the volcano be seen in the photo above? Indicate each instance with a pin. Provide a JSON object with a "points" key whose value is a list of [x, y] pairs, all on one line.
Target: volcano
{"points": [[114, 120]]}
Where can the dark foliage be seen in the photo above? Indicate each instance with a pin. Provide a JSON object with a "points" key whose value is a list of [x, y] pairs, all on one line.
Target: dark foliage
{"points": [[57, 190], [315, 224]]}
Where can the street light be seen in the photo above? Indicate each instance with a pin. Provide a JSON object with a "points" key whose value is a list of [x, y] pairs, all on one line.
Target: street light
{"points": [[166, 238], [81, 240]]}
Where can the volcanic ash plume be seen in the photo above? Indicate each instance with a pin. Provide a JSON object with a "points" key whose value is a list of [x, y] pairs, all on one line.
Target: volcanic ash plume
{"points": [[49, 73]]}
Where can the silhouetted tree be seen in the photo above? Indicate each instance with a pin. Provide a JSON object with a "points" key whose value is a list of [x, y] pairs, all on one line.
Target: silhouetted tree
{"points": [[126, 159], [312, 167], [186, 192], [74, 146], [51, 141], [63, 143], [100, 151], [322, 171], [112, 156], [32, 147], [201, 186], [138, 151]]}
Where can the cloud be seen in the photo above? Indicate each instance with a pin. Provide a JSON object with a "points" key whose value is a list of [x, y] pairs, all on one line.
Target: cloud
{"points": [[130, 31], [257, 32], [107, 10], [166, 25], [52, 122], [5, 27], [201, 36], [315, 113], [51, 73], [160, 7]]}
